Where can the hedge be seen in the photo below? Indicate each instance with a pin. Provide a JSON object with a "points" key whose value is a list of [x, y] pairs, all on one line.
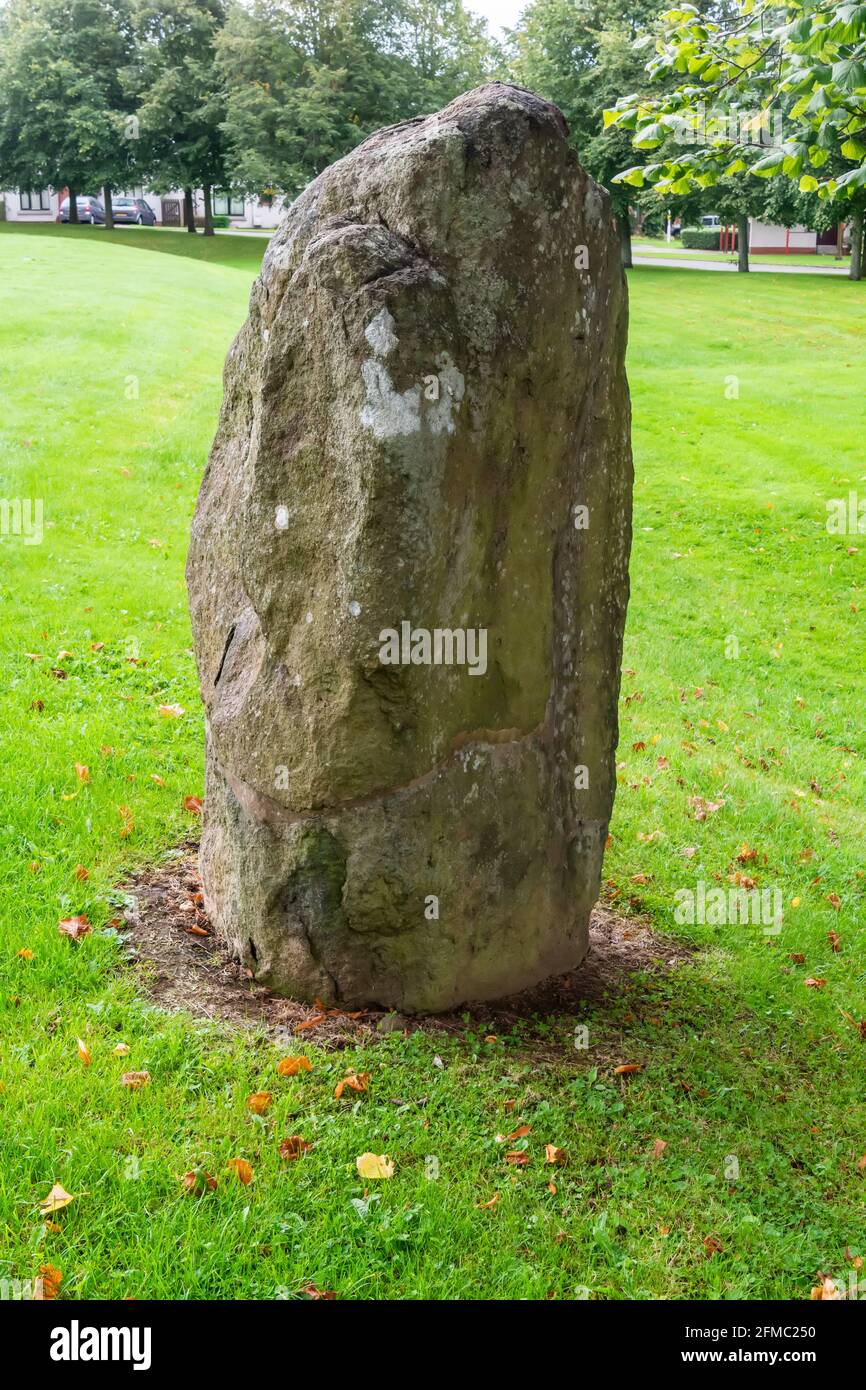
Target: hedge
{"points": [[701, 238]]}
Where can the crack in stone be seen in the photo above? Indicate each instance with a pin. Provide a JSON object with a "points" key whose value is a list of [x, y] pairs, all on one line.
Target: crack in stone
{"points": [[265, 809]]}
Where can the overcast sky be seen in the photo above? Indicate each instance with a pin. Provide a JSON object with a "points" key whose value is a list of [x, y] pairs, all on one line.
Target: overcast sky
{"points": [[498, 13]]}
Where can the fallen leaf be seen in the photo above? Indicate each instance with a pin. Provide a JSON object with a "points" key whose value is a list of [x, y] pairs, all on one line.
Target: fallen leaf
{"points": [[82, 772], [121, 1050], [485, 1206], [135, 1080], [84, 1052], [57, 1199], [242, 1169], [310, 1023], [746, 855], [834, 900], [50, 1279], [374, 1165], [291, 1066], [628, 1068], [703, 808], [294, 1146], [81, 873], [713, 1245], [835, 940], [128, 823], [517, 1157], [25, 953], [310, 1291], [171, 711], [798, 958], [356, 1081], [826, 1291], [861, 1164], [659, 1147], [554, 1155], [812, 983], [198, 1181], [74, 927], [259, 1102], [193, 804], [155, 777]]}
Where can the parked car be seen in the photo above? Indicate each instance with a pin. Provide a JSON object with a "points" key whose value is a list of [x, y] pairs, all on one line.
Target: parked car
{"points": [[89, 210], [710, 220], [135, 210]]}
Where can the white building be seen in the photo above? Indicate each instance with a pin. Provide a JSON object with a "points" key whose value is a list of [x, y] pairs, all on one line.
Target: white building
{"points": [[44, 206]]}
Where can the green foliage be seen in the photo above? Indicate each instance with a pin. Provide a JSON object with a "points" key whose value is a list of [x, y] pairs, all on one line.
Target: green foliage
{"points": [[63, 109], [306, 80], [768, 90], [179, 97], [700, 238]]}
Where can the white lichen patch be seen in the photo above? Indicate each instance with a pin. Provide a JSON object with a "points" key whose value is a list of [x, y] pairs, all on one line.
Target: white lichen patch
{"points": [[390, 413], [387, 411], [380, 334]]}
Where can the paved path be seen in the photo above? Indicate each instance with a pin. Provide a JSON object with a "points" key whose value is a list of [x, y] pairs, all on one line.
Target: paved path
{"points": [[671, 263]]}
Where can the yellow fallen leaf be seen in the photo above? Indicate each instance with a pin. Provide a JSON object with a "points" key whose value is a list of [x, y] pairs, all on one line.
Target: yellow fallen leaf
{"points": [[356, 1081], [259, 1102], [374, 1166], [291, 1066], [242, 1168], [25, 953], [57, 1199], [84, 1052], [171, 711], [49, 1281]]}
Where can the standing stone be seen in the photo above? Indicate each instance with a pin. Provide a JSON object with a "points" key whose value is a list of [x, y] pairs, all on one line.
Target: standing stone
{"points": [[423, 454]]}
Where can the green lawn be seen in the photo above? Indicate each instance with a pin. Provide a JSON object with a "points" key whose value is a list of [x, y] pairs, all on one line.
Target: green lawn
{"points": [[110, 366]]}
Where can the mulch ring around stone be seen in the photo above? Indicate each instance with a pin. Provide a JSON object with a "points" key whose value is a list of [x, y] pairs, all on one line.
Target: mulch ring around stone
{"points": [[182, 966]]}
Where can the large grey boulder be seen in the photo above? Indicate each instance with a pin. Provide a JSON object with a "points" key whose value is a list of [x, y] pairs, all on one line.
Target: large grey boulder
{"points": [[409, 569]]}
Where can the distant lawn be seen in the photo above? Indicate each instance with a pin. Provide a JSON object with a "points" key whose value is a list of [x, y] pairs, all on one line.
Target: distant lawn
{"points": [[237, 250], [657, 246], [110, 376]]}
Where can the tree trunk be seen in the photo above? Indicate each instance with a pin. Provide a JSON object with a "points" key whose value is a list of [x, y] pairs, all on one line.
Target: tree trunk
{"points": [[625, 239], [189, 210], [742, 243], [208, 210], [855, 271], [73, 207], [109, 210]]}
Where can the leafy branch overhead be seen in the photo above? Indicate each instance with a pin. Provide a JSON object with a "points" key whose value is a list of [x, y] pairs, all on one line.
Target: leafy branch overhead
{"points": [[773, 89]]}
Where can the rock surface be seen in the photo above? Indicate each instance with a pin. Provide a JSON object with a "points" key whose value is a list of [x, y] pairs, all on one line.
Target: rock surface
{"points": [[425, 427]]}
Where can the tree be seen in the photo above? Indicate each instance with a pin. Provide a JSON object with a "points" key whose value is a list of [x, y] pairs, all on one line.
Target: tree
{"points": [[63, 115], [307, 80], [179, 98], [783, 82]]}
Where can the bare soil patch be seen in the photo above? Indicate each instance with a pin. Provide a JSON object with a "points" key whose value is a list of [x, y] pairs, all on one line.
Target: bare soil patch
{"points": [[183, 966]]}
